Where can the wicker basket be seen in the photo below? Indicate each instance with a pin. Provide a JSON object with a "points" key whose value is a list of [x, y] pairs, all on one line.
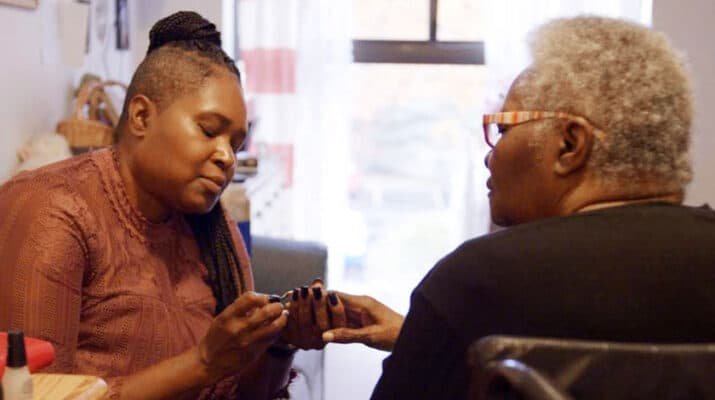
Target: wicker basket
{"points": [[84, 131]]}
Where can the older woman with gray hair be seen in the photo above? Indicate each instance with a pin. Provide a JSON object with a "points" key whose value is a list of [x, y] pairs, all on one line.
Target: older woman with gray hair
{"points": [[589, 163]]}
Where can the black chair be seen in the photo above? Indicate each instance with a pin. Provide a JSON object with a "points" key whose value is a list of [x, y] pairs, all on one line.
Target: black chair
{"points": [[280, 265], [505, 367]]}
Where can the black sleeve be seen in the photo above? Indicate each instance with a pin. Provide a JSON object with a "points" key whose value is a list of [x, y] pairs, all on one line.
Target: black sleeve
{"points": [[426, 359]]}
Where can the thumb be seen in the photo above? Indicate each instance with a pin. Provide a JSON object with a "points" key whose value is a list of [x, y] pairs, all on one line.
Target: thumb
{"points": [[347, 335]]}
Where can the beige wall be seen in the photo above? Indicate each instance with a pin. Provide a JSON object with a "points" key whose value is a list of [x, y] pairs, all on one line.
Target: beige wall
{"points": [[691, 26]]}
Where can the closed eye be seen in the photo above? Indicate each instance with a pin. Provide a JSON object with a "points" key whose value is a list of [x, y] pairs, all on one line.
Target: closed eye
{"points": [[238, 139], [237, 145], [207, 132]]}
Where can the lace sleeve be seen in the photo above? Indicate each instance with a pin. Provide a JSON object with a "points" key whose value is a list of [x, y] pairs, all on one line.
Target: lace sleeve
{"points": [[43, 255]]}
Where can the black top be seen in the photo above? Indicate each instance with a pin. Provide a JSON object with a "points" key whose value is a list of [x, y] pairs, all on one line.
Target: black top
{"points": [[639, 273]]}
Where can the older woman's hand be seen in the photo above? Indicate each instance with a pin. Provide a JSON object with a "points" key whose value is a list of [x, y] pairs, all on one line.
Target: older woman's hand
{"points": [[313, 310], [241, 334], [368, 322]]}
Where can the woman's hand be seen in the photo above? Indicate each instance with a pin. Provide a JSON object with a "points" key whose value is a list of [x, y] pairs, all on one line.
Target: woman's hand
{"points": [[241, 334], [313, 310], [368, 322]]}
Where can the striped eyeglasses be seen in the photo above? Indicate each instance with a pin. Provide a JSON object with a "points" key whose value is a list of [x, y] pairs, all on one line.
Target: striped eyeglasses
{"points": [[494, 124]]}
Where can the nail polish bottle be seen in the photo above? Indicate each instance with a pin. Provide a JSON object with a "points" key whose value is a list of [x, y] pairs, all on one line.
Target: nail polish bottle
{"points": [[17, 382]]}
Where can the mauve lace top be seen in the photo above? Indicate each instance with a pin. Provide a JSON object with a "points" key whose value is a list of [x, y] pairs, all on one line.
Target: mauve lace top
{"points": [[81, 268]]}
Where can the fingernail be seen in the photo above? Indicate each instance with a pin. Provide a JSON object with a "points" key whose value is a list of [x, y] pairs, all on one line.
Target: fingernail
{"points": [[317, 280], [304, 291], [317, 293], [328, 336], [333, 298], [274, 298], [295, 294]]}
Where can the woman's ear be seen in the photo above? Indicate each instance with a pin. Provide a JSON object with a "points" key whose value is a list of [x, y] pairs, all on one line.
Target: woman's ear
{"points": [[140, 115], [575, 145]]}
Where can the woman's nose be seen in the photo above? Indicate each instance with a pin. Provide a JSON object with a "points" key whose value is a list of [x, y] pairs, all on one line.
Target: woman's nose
{"points": [[224, 157], [486, 159]]}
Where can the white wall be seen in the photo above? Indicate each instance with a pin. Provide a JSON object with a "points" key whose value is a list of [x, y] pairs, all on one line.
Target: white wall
{"points": [[37, 78], [36, 81], [35, 87], [691, 26], [147, 12]]}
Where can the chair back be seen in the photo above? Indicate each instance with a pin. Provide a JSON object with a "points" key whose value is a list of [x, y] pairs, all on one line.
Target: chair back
{"points": [[507, 367]]}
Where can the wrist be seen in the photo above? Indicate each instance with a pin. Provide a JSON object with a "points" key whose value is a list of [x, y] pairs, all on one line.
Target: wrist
{"points": [[205, 375]]}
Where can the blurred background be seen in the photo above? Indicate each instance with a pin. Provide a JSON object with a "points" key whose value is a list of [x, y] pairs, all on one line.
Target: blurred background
{"points": [[365, 115]]}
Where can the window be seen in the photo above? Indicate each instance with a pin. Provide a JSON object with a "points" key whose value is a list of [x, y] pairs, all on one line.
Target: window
{"points": [[418, 82], [428, 32], [390, 19]]}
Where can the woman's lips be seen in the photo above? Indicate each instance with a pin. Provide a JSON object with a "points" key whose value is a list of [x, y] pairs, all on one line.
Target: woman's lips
{"points": [[214, 185]]}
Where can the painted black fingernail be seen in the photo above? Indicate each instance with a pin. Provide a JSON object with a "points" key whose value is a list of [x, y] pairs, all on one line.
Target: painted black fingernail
{"points": [[274, 299], [304, 291], [317, 293], [333, 298], [295, 294]]}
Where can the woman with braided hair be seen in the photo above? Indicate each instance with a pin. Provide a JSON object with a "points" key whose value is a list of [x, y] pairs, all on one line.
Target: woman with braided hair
{"points": [[124, 259]]}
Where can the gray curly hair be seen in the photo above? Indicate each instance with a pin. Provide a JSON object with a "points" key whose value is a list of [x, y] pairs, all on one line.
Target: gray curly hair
{"points": [[628, 81]]}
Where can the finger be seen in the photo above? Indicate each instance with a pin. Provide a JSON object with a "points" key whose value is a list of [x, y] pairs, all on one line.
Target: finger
{"points": [[244, 304], [346, 335], [351, 300], [264, 315], [305, 318], [318, 311], [290, 332], [272, 329], [293, 309], [320, 308], [318, 315], [356, 308], [336, 309]]}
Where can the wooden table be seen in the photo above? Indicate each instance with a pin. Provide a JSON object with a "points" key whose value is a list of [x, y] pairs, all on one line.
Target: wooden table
{"points": [[66, 387]]}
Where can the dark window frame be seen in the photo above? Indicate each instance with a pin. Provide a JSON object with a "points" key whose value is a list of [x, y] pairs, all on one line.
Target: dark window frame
{"points": [[430, 51]]}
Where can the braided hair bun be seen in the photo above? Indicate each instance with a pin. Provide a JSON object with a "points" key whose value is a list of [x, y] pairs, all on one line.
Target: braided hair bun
{"points": [[183, 26]]}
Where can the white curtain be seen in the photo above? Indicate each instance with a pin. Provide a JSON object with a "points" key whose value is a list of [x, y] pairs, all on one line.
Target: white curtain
{"points": [[506, 52], [323, 124], [296, 56]]}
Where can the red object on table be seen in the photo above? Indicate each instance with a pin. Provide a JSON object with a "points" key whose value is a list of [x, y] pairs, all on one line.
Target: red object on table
{"points": [[40, 353]]}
